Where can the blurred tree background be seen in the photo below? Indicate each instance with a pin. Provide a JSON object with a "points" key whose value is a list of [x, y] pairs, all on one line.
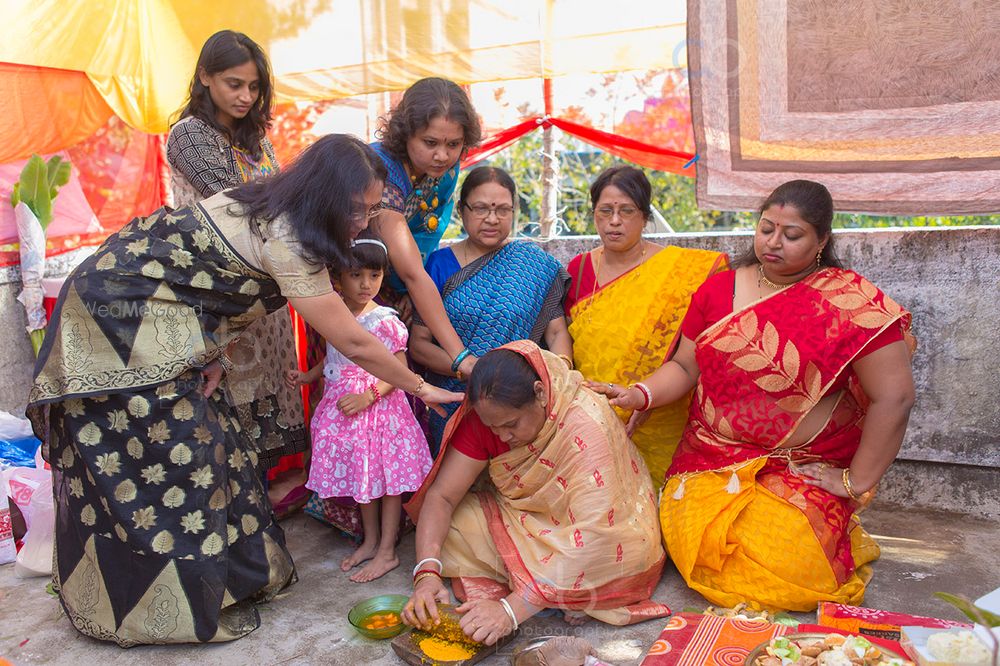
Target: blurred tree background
{"points": [[664, 120]]}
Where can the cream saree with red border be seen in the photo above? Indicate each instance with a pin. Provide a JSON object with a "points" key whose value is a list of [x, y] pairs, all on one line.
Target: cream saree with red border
{"points": [[567, 521]]}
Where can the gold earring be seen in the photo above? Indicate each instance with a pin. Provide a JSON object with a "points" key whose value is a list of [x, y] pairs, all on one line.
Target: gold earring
{"points": [[819, 256]]}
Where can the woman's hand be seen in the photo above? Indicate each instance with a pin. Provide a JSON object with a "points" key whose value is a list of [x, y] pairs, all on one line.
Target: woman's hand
{"points": [[352, 403], [466, 366], [434, 397], [421, 610], [822, 475], [618, 395], [212, 374], [636, 420], [484, 620]]}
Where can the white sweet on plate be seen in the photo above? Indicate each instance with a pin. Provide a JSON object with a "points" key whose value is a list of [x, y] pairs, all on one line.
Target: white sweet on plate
{"points": [[958, 647]]}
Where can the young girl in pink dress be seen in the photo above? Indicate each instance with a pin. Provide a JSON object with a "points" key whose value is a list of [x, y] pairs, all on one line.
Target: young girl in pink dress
{"points": [[366, 443]]}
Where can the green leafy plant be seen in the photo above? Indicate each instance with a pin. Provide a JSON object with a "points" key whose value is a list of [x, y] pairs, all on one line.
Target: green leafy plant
{"points": [[978, 615], [40, 182]]}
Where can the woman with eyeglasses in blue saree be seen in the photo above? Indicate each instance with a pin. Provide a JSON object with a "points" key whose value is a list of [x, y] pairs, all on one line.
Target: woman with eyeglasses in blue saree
{"points": [[495, 290]]}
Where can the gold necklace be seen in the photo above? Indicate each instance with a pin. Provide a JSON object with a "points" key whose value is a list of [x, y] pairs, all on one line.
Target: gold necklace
{"points": [[763, 281], [597, 270]]}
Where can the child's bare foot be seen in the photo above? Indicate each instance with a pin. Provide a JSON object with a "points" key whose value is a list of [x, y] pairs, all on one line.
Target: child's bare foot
{"points": [[379, 566], [364, 552], [574, 618]]}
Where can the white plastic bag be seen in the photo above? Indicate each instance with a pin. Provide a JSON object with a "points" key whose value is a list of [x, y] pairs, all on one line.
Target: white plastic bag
{"points": [[31, 490], [35, 556], [32, 246], [7, 549], [14, 427]]}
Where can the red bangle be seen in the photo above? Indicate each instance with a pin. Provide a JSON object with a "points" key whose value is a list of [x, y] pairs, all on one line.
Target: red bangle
{"points": [[427, 571], [646, 394], [375, 393]]}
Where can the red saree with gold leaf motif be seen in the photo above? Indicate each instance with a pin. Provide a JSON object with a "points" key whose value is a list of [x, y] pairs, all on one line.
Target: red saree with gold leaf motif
{"points": [[739, 525], [567, 521]]}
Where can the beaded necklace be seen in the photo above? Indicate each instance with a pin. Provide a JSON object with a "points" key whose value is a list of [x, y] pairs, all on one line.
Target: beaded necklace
{"points": [[427, 198]]}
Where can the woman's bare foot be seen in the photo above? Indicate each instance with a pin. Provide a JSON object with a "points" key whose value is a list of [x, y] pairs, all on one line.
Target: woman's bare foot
{"points": [[575, 618], [380, 565], [363, 553]]}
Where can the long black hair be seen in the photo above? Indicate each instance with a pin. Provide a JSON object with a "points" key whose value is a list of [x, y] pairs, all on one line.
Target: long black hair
{"points": [[815, 206], [318, 194], [224, 50], [503, 376], [422, 102]]}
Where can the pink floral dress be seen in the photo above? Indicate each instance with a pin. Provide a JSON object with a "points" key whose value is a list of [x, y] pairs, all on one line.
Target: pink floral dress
{"points": [[379, 451]]}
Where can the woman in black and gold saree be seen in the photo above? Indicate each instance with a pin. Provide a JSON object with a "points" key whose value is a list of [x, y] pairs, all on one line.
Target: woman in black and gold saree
{"points": [[164, 533]]}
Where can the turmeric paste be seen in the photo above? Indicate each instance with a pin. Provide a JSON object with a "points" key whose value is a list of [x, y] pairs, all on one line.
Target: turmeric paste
{"points": [[439, 649]]}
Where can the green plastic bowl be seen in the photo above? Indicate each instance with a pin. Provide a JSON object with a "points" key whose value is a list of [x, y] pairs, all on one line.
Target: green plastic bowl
{"points": [[385, 603]]}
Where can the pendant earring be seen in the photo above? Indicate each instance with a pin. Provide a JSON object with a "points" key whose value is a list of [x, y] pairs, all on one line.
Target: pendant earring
{"points": [[819, 256]]}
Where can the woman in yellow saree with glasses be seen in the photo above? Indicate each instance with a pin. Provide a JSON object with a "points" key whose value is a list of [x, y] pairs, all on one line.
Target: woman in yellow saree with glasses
{"points": [[804, 389], [627, 300], [565, 517]]}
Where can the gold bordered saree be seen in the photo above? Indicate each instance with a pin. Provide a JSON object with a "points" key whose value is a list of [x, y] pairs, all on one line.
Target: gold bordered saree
{"points": [[163, 531], [627, 329], [738, 524]]}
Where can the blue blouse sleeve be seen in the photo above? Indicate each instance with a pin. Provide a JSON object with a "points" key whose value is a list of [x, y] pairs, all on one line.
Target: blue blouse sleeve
{"points": [[441, 265]]}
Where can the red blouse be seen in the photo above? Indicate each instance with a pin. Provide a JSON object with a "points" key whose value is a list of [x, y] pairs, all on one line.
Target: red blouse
{"points": [[584, 281], [714, 300], [476, 440]]}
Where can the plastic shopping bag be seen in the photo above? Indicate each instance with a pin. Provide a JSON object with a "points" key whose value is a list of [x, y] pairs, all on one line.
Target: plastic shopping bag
{"points": [[7, 549], [31, 490]]}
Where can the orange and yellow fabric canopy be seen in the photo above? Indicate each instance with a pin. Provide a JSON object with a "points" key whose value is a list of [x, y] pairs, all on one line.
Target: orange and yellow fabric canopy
{"points": [[102, 80], [68, 66]]}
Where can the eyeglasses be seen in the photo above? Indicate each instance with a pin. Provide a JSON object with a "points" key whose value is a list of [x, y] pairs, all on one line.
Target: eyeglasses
{"points": [[605, 213], [482, 211], [367, 215]]}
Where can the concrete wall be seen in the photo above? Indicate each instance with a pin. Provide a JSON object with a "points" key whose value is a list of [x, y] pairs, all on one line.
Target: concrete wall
{"points": [[949, 278]]}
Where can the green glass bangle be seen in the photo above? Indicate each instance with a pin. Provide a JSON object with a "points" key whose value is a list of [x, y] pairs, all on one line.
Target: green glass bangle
{"points": [[458, 359]]}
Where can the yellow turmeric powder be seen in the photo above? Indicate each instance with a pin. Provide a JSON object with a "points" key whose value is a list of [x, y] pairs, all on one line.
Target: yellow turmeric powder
{"points": [[439, 649]]}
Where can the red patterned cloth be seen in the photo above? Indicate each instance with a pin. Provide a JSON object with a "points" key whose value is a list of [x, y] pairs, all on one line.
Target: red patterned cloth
{"points": [[874, 622], [692, 639]]}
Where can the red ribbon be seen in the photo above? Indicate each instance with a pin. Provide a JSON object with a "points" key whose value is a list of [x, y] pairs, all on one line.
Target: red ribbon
{"points": [[654, 157]]}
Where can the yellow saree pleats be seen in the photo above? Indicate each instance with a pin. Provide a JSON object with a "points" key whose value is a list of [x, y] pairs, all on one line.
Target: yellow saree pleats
{"points": [[628, 328], [753, 547]]}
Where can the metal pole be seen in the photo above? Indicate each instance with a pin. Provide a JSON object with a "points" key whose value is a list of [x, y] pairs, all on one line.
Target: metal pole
{"points": [[550, 184]]}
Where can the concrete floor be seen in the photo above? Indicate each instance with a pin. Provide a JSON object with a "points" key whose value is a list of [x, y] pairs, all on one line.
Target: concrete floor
{"points": [[922, 553]]}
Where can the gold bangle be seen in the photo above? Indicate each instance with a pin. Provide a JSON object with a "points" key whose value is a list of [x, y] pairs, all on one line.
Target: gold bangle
{"points": [[422, 576], [420, 386], [846, 478], [567, 359]]}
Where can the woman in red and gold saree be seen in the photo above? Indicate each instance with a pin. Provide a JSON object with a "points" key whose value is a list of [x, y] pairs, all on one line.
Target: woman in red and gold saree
{"points": [[803, 390], [564, 518]]}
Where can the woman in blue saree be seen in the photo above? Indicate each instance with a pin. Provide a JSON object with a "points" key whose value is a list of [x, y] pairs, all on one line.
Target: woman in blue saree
{"points": [[421, 144], [495, 290]]}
